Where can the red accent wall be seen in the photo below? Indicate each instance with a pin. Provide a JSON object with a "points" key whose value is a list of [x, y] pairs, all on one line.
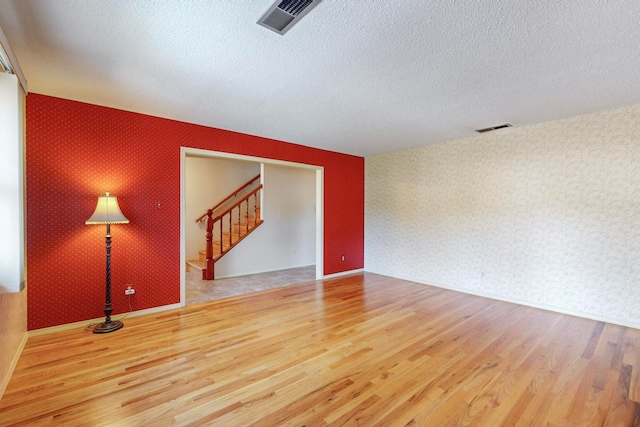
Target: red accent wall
{"points": [[76, 151]]}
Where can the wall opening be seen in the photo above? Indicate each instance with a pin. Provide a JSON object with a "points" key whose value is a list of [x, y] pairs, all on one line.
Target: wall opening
{"points": [[192, 159]]}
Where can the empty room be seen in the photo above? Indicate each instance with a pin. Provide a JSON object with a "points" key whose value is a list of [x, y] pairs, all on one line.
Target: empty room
{"points": [[314, 212]]}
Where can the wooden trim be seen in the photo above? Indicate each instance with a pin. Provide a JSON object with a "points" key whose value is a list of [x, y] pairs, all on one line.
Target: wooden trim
{"points": [[12, 366]]}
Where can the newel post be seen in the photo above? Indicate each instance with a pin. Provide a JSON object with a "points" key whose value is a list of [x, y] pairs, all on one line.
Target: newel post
{"points": [[208, 272]]}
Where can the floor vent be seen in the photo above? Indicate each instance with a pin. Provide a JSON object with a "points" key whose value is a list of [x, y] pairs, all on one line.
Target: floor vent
{"points": [[284, 14], [506, 125]]}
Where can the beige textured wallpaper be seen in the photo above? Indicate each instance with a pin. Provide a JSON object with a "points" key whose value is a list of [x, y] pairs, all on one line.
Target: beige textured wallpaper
{"points": [[547, 215]]}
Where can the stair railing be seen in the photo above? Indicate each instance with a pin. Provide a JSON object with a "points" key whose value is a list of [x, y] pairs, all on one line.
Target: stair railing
{"points": [[208, 272], [233, 194]]}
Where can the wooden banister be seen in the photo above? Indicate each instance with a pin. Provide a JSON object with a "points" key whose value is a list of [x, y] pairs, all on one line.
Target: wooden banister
{"points": [[226, 245], [236, 204], [231, 195]]}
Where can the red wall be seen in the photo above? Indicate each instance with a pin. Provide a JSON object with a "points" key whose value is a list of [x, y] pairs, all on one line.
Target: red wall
{"points": [[76, 151]]}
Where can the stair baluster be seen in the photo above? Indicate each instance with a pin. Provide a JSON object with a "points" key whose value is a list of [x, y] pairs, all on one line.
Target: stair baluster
{"points": [[255, 206], [221, 250], [247, 215]]}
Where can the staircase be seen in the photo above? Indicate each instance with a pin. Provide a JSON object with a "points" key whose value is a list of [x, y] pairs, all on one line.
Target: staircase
{"points": [[230, 226]]}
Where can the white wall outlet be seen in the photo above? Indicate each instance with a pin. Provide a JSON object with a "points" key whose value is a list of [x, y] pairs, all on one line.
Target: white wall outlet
{"points": [[129, 291]]}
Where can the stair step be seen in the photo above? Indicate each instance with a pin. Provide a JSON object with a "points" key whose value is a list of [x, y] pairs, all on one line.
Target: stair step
{"points": [[216, 247], [253, 215], [244, 226], [197, 264], [240, 229], [216, 252], [234, 237]]}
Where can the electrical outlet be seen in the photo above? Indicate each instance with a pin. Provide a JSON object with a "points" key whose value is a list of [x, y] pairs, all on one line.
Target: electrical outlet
{"points": [[129, 291]]}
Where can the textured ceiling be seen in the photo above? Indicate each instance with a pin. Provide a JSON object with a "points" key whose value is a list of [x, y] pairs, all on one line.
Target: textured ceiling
{"points": [[359, 77]]}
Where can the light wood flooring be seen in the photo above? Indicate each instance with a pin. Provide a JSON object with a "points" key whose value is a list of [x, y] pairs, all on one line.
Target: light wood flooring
{"points": [[358, 350]]}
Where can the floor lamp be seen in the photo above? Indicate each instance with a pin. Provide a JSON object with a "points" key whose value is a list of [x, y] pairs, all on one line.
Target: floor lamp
{"points": [[108, 212]]}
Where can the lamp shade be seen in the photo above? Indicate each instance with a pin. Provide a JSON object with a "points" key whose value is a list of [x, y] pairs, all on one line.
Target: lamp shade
{"points": [[107, 212]]}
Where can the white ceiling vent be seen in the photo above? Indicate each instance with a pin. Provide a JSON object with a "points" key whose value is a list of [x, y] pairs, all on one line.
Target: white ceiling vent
{"points": [[284, 14], [5, 64], [506, 125]]}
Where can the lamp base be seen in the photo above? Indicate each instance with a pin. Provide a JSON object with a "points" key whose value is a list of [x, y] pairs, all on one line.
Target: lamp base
{"points": [[106, 327]]}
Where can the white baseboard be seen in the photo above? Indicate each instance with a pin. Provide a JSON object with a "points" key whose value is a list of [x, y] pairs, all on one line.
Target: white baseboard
{"points": [[89, 322], [343, 273], [12, 367], [263, 271], [555, 309]]}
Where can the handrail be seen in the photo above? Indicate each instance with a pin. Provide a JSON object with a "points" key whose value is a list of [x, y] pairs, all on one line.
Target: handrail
{"points": [[236, 204], [230, 196]]}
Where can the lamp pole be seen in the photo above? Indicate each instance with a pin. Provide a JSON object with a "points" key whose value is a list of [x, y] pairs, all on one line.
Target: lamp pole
{"points": [[107, 212], [108, 325]]}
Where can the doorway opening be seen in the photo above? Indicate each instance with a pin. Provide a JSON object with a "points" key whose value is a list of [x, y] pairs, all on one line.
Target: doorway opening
{"points": [[276, 174]]}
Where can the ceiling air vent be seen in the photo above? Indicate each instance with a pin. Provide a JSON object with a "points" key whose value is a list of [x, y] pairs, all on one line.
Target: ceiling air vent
{"points": [[506, 125], [284, 14]]}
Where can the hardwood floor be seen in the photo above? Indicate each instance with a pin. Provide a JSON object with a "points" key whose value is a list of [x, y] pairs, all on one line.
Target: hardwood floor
{"points": [[359, 350]]}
